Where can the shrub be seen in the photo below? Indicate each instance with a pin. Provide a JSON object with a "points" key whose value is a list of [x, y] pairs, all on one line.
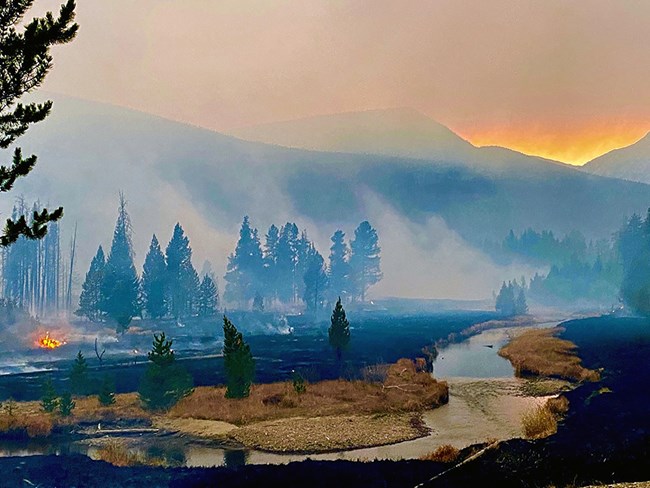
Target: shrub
{"points": [[539, 422], [299, 385], [38, 426], [443, 454], [118, 454], [558, 406]]}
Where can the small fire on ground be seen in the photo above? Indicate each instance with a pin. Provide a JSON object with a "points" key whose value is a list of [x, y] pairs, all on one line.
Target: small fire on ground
{"points": [[47, 342]]}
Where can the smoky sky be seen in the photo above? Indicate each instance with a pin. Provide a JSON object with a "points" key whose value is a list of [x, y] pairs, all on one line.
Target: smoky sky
{"points": [[564, 79]]}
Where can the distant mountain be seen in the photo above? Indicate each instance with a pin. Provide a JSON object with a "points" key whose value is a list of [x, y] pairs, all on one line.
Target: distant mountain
{"points": [[397, 132], [426, 211], [628, 163]]}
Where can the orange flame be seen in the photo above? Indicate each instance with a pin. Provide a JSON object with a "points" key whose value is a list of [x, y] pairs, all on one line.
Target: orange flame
{"points": [[47, 342]]}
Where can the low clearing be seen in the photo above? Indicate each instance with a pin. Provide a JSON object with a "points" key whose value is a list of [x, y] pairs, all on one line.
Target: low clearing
{"points": [[539, 352]]}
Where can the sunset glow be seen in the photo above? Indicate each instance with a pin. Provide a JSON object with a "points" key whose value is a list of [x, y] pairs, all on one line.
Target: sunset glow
{"points": [[575, 145]]}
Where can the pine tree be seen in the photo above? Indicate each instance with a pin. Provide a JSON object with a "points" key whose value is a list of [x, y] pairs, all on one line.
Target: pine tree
{"points": [[79, 375], [364, 259], [339, 331], [287, 259], [245, 272], [521, 307], [90, 300], [121, 286], [258, 302], [154, 276], [165, 382], [316, 281], [505, 303], [49, 398], [182, 278], [66, 404], [106, 394], [238, 361], [339, 267], [25, 60], [208, 302], [270, 261], [304, 249]]}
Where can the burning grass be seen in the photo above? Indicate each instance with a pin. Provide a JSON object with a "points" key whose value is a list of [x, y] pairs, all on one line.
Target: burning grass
{"points": [[405, 390], [539, 352]]}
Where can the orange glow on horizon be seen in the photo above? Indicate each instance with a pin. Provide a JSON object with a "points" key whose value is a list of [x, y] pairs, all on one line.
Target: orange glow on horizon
{"points": [[575, 145]]}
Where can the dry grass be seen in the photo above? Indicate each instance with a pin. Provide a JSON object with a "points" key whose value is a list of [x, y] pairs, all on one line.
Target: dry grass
{"points": [[118, 454], [404, 390], [539, 422], [538, 352], [443, 454], [37, 425], [542, 421], [331, 433], [29, 418], [126, 407], [208, 429]]}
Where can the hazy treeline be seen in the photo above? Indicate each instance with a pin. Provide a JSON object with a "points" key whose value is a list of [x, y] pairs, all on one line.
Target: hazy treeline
{"points": [[634, 250], [35, 278], [579, 270], [288, 269], [169, 286]]}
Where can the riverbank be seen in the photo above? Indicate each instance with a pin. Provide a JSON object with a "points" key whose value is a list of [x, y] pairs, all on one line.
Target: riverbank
{"points": [[327, 416], [541, 353]]}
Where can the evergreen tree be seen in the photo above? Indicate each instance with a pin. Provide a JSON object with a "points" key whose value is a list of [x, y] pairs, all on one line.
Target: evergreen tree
{"points": [[270, 261], [154, 276], [91, 299], [238, 362], [287, 259], [521, 307], [339, 331], [49, 398], [634, 249], [25, 60], [339, 267], [121, 286], [245, 271], [208, 302], [66, 404], [165, 382], [505, 303], [316, 281], [364, 259], [258, 303], [182, 279], [304, 250], [106, 394], [79, 375]]}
